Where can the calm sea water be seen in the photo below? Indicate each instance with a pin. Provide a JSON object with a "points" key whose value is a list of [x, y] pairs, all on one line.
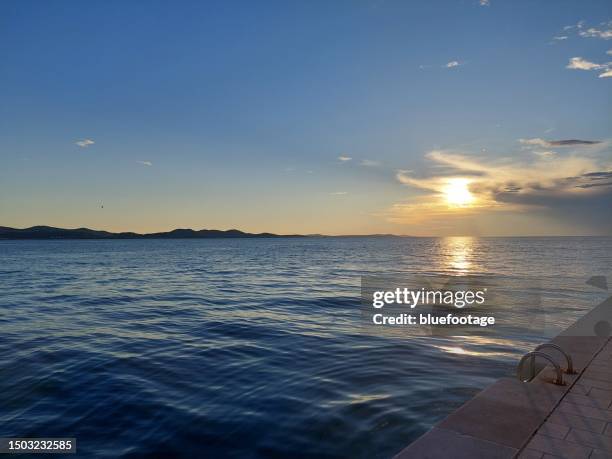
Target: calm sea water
{"points": [[252, 348]]}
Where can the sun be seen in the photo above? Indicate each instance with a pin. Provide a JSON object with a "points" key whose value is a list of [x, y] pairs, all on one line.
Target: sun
{"points": [[457, 192]]}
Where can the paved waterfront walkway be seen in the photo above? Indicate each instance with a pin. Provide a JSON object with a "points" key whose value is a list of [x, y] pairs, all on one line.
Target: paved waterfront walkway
{"points": [[537, 420], [581, 425]]}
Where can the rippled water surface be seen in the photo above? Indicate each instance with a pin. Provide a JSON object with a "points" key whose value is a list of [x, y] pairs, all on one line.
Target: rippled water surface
{"points": [[252, 348]]}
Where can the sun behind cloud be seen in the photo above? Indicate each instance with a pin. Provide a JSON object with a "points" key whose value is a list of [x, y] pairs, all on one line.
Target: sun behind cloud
{"points": [[457, 192], [466, 191]]}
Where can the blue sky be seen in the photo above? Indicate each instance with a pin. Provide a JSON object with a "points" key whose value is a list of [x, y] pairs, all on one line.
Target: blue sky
{"points": [[234, 114]]}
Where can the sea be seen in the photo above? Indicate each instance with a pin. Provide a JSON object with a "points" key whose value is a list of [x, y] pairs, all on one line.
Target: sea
{"points": [[256, 348]]}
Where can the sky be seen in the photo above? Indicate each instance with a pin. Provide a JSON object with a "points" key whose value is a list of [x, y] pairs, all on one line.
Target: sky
{"points": [[427, 118]]}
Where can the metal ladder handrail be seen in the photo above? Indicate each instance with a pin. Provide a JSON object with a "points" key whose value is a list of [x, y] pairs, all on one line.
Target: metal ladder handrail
{"points": [[570, 365], [533, 354]]}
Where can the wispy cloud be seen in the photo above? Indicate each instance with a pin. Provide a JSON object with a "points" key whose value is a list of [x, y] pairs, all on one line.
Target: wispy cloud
{"points": [[545, 154], [448, 65], [558, 39], [369, 163], [508, 184], [568, 29], [339, 193], [595, 179], [557, 143], [344, 158], [485, 2], [603, 31], [579, 25], [578, 63], [145, 163], [490, 178], [84, 143], [606, 74]]}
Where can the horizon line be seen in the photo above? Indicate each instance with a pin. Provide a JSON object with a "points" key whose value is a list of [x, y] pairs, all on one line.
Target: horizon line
{"points": [[264, 234]]}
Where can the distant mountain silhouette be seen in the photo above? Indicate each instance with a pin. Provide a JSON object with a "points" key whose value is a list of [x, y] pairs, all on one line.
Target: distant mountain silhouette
{"points": [[48, 232]]}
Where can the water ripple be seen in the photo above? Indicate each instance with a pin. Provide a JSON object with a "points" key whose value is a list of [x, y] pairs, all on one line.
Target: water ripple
{"points": [[250, 348]]}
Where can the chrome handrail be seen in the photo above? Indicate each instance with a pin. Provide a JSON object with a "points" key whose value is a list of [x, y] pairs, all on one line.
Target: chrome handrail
{"points": [[570, 366], [533, 354]]}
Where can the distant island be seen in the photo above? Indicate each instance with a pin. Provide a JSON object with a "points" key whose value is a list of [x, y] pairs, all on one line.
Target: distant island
{"points": [[48, 232]]}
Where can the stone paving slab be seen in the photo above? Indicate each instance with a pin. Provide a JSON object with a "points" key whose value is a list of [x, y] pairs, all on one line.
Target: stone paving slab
{"points": [[442, 443], [601, 394], [598, 454], [586, 400], [530, 454], [553, 430], [577, 422], [559, 448], [506, 412]]}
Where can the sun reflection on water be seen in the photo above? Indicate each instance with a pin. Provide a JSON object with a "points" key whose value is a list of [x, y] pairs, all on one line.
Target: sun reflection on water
{"points": [[458, 251]]}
